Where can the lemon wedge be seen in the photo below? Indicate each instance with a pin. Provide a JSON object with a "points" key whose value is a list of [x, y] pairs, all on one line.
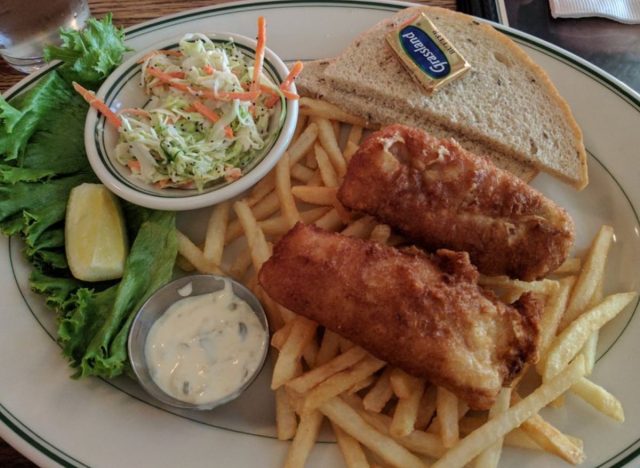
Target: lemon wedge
{"points": [[95, 234]]}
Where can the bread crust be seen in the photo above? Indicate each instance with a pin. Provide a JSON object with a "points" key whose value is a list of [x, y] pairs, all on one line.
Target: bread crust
{"points": [[312, 84], [563, 155], [562, 104]]}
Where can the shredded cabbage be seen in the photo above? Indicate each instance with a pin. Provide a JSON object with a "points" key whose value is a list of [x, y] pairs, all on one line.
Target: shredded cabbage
{"points": [[171, 143]]}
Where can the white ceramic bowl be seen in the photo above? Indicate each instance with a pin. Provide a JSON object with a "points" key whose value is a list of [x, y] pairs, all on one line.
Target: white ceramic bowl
{"points": [[121, 90], [158, 304]]}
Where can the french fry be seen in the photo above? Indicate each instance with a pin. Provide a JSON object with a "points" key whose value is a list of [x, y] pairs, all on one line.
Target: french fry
{"points": [[490, 457], [277, 226], [345, 215], [304, 439], [240, 264], [345, 417], [327, 171], [364, 383], [310, 353], [307, 381], [310, 160], [599, 398], [406, 412], [551, 316], [330, 145], [324, 109], [468, 424], [396, 240], [279, 338], [472, 445], [336, 129], [261, 210], [266, 207], [566, 345], [283, 189], [303, 144], [330, 221], [301, 173], [380, 233], [447, 409], [184, 264], [360, 228], [518, 438], [300, 125], [402, 383], [345, 344], [274, 316], [262, 189], [355, 134], [590, 348], [571, 266], [545, 286], [216, 229], [417, 441], [340, 382], [316, 180], [427, 407], [314, 214], [315, 195], [286, 422], [589, 276], [194, 255], [301, 333], [260, 249], [349, 150], [552, 440], [380, 394], [329, 347], [351, 449], [434, 427], [286, 314]]}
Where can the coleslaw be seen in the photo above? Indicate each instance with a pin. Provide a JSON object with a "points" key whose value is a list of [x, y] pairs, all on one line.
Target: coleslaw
{"points": [[206, 119]]}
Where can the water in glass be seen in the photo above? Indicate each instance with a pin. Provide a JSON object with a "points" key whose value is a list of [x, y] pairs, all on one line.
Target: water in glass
{"points": [[26, 26]]}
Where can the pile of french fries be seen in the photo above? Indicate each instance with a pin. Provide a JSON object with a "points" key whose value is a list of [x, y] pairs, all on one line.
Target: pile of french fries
{"points": [[379, 414]]}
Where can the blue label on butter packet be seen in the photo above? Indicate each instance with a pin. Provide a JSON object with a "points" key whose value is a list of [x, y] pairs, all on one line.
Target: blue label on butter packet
{"points": [[424, 52], [432, 60]]}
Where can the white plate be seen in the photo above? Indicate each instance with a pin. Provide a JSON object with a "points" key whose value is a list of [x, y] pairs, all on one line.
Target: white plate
{"points": [[56, 420]]}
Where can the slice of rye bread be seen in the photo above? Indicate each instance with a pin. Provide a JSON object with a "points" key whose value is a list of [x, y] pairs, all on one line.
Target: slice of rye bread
{"points": [[311, 83], [506, 100]]}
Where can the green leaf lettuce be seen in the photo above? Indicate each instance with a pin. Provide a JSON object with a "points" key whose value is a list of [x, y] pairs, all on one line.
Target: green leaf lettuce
{"points": [[89, 55]]}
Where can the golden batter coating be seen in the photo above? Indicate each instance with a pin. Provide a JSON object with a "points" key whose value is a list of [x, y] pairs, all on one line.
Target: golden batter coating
{"points": [[441, 196], [423, 313]]}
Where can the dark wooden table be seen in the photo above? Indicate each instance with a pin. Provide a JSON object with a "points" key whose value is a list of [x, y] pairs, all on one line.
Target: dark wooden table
{"points": [[610, 45]]}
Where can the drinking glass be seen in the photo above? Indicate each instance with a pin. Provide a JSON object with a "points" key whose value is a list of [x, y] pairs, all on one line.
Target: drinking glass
{"points": [[26, 26]]}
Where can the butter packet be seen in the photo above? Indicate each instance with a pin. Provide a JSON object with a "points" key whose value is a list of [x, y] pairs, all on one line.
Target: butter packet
{"points": [[426, 53]]}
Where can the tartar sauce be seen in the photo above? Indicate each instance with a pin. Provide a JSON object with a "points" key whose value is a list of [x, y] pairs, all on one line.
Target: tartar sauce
{"points": [[205, 347]]}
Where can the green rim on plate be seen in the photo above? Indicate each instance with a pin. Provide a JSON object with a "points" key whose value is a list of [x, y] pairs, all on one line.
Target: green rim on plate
{"points": [[56, 455]]}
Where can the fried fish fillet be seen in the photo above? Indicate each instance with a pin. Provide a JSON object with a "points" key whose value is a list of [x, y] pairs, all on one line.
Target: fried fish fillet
{"points": [[442, 196], [423, 313]]}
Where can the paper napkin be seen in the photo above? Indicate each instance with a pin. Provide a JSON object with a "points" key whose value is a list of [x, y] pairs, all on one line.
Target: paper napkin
{"points": [[624, 11]]}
